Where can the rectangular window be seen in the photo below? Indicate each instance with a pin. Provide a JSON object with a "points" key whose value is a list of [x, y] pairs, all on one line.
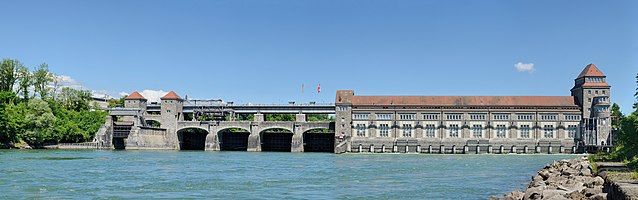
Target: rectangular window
{"points": [[384, 130], [549, 117], [406, 116], [603, 91], [384, 116], [500, 131], [549, 131], [430, 130], [407, 130], [477, 131], [454, 116], [501, 116], [361, 130], [571, 131], [360, 116], [572, 117], [525, 131], [431, 116], [525, 117], [454, 130], [343, 108], [477, 116]]}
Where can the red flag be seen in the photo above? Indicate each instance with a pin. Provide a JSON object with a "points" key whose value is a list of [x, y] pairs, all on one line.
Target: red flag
{"points": [[319, 88]]}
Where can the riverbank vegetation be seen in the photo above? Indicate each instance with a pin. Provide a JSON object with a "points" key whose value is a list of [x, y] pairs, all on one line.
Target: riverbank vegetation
{"points": [[625, 138], [36, 110]]}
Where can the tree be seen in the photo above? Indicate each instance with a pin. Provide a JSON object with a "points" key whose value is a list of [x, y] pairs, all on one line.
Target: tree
{"points": [[115, 102], [41, 81], [11, 118], [615, 112], [636, 95], [24, 79], [40, 122], [7, 74], [73, 99]]}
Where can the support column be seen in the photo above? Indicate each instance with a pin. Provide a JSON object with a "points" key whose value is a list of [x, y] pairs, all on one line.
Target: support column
{"points": [[297, 138], [254, 139], [300, 117], [254, 142], [259, 117]]}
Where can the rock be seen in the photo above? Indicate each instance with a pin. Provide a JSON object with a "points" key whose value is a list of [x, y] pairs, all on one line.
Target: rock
{"points": [[533, 193], [570, 171], [554, 194], [600, 196], [598, 181], [515, 195], [575, 195], [544, 174], [588, 192], [585, 172]]}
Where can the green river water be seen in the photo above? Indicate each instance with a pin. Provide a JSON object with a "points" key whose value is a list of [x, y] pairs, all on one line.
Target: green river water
{"points": [[65, 174]]}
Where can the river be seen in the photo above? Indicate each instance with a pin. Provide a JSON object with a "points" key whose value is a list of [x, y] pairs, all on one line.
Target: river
{"points": [[65, 174]]}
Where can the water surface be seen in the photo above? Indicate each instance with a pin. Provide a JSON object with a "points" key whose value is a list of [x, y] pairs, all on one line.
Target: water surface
{"points": [[59, 174]]}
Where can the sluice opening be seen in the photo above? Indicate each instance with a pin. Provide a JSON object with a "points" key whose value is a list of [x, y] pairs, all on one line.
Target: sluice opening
{"points": [[279, 140], [118, 143], [319, 140], [192, 139], [233, 139], [121, 130]]}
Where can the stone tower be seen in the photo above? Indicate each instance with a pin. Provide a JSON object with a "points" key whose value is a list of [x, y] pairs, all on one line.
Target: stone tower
{"points": [[591, 92], [135, 100], [172, 111], [343, 114]]}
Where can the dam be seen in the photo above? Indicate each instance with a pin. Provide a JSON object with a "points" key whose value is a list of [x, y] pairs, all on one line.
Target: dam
{"points": [[577, 123]]}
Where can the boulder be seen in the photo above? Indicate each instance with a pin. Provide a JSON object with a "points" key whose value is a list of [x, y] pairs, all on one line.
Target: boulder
{"points": [[575, 195], [544, 173], [554, 194], [533, 193], [515, 195], [600, 196], [588, 192]]}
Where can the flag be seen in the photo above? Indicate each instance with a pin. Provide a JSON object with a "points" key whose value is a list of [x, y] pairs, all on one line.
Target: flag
{"points": [[319, 88], [302, 88]]}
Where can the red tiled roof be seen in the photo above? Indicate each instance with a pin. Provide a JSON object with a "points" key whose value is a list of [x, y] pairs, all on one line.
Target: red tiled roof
{"points": [[171, 95], [465, 100], [135, 95], [590, 70]]}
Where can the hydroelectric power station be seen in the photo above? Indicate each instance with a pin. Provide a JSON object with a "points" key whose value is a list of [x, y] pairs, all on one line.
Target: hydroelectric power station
{"points": [[377, 124]]}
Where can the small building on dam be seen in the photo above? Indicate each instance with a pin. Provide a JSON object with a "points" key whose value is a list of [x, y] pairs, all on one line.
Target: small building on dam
{"points": [[378, 124]]}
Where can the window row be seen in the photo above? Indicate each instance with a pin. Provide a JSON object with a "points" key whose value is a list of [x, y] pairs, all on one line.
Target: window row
{"points": [[476, 131], [504, 116]]}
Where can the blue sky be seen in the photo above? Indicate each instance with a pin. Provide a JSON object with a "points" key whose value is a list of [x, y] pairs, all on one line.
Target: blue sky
{"points": [[263, 51]]}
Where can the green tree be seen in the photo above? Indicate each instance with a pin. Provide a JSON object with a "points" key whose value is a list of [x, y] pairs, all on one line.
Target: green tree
{"points": [[73, 99], [24, 79], [42, 79], [7, 74], [11, 118], [279, 117], [115, 102], [615, 112], [40, 122]]}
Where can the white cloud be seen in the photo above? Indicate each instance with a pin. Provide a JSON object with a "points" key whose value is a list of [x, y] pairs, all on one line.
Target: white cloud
{"points": [[525, 67], [153, 95], [122, 94], [67, 81]]}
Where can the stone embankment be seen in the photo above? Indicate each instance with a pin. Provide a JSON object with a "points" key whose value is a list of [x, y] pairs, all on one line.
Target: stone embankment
{"points": [[564, 179]]}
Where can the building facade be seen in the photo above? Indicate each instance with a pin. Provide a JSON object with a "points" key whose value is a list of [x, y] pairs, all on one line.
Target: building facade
{"points": [[477, 124]]}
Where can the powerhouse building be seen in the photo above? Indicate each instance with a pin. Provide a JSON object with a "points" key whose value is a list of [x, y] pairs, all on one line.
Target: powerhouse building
{"points": [[466, 124]]}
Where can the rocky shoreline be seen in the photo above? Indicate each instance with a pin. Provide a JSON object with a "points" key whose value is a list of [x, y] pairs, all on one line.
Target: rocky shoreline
{"points": [[564, 179]]}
